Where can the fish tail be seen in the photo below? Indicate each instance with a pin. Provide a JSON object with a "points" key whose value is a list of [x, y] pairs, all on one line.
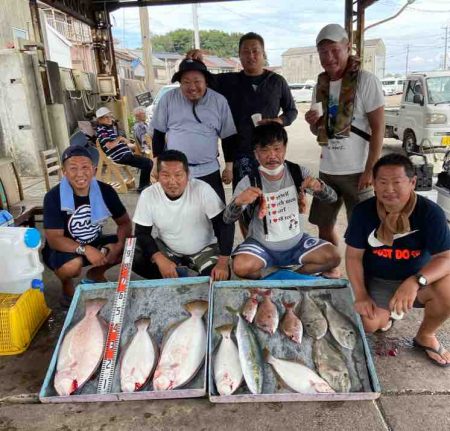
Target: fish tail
{"points": [[143, 323], [225, 330], [267, 355], [231, 310], [197, 307], [254, 291], [288, 305], [265, 292], [93, 306]]}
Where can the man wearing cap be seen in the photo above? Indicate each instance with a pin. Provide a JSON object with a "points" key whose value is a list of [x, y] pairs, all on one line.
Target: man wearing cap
{"points": [[74, 213], [117, 147], [191, 119], [347, 116], [254, 90]]}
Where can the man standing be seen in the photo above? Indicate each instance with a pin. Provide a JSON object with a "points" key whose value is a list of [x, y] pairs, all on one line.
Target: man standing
{"points": [[254, 90], [192, 118], [187, 216], [117, 147], [271, 198], [74, 212], [398, 256], [349, 124]]}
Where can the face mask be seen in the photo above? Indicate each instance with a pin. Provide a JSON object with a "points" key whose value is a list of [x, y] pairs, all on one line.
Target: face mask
{"points": [[272, 172]]}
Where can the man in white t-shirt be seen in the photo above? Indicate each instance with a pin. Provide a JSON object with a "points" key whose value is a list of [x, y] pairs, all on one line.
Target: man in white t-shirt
{"points": [[187, 217], [349, 123]]}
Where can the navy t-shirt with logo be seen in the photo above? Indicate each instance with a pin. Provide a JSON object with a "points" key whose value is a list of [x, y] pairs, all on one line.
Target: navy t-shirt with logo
{"points": [[410, 251], [77, 225]]}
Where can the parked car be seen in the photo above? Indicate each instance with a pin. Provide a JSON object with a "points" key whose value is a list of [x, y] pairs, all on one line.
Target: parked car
{"points": [[302, 92], [163, 90], [392, 86], [423, 118]]}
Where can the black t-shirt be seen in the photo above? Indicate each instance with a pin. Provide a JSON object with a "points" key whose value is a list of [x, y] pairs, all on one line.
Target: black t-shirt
{"points": [[410, 251], [78, 226]]}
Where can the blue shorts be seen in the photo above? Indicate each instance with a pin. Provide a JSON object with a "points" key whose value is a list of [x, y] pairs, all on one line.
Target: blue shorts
{"points": [[293, 256], [55, 259]]}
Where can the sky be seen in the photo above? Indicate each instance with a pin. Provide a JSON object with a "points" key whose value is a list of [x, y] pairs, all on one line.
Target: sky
{"points": [[287, 24]]}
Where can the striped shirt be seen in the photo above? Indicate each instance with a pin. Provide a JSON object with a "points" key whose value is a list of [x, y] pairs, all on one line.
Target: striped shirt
{"points": [[107, 134]]}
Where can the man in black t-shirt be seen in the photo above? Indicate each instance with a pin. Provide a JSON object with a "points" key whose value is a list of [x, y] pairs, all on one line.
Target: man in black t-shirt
{"points": [[74, 212], [398, 256]]}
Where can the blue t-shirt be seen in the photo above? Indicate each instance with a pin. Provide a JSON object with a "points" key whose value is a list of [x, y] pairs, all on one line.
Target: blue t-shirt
{"points": [[410, 251], [78, 226]]}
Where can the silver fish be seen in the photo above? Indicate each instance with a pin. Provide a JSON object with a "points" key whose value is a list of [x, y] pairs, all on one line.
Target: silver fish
{"points": [[81, 350], [184, 350], [227, 368], [312, 318], [250, 355], [138, 358], [298, 377], [340, 326], [330, 364]]}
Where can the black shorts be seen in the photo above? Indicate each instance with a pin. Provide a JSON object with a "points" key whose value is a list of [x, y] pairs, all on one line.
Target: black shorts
{"points": [[55, 259]]}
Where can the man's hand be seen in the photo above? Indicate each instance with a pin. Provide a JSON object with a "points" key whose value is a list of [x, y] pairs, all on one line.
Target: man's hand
{"points": [[95, 256], [167, 268], [365, 306], [227, 175], [404, 296], [312, 117], [312, 183], [248, 196], [365, 180], [270, 120], [302, 202], [112, 144], [114, 254], [221, 271], [195, 54]]}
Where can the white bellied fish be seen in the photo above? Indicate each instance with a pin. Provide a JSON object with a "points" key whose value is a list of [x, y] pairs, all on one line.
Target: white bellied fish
{"points": [[298, 377], [227, 367], [330, 364], [81, 350], [291, 325], [312, 318], [250, 355], [267, 317], [139, 358], [183, 352], [340, 326], [250, 306]]}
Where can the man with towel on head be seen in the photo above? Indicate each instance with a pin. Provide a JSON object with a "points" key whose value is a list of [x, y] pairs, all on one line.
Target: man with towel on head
{"points": [[398, 256], [74, 212]]}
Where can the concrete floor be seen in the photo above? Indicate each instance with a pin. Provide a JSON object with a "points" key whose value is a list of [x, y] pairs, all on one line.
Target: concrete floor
{"points": [[415, 393]]}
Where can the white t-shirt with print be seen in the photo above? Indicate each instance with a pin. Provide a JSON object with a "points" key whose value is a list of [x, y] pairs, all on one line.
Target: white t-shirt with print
{"points": [[349, 155], [184, 224]]}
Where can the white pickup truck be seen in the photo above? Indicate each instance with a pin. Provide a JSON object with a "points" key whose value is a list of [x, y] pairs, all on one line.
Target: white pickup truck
{"points": [[422, 122]]}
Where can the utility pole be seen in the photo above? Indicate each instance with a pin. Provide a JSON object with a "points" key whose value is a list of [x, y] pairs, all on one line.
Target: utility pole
{"points": [[407, 60], [445, 47], [146, 48], [195, 22]]}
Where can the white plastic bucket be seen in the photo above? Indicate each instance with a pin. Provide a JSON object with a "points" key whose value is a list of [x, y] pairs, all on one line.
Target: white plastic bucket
{"points": [[20, 267]]}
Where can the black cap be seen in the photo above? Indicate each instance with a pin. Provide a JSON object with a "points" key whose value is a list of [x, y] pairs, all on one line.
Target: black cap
{"points": [[76, 150], [188, 65]]}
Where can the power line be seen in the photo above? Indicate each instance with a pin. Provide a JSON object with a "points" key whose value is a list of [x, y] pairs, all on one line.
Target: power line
{"points": [[429, 10]]}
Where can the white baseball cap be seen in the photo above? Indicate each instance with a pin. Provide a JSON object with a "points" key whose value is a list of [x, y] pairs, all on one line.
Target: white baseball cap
{"points": [[333, 32], [101, 112]]}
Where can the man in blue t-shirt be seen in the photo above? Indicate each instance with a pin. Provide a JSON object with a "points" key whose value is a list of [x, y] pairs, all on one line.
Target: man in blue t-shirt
{"points": [[74, 213], [398, 256]]}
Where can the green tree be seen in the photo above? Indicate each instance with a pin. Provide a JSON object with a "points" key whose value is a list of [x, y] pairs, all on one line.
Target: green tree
{"points": [[216, 42]]}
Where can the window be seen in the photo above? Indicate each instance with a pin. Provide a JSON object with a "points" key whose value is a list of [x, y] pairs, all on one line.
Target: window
{"points": [[18, 33], [414, 87]]}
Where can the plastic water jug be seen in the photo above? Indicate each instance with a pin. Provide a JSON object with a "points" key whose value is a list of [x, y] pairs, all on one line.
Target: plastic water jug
{"points": [[20, 267], [6, 219]]}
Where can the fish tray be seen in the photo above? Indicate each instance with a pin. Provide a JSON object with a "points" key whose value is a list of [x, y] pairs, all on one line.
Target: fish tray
{"points": [[365, 384], [162, 301]]}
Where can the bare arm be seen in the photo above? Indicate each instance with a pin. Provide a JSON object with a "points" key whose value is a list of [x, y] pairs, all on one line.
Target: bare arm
{"points": [[376, 121]]}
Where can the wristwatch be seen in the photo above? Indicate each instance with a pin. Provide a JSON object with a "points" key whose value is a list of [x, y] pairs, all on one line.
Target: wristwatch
{"points": [[421, 280], [81, 250]]}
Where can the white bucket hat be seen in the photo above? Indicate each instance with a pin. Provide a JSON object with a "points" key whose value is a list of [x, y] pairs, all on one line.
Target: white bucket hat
{"points": [[333, 32], [101, 112]]}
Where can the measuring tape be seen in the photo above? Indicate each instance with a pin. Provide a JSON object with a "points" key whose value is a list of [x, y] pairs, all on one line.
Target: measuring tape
{"points": [[115, 324]]}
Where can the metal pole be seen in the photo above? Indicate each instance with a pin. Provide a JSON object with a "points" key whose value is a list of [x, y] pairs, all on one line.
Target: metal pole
{"points": [[407, 60], [147, 48], [195, 22], [445, 49]]}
